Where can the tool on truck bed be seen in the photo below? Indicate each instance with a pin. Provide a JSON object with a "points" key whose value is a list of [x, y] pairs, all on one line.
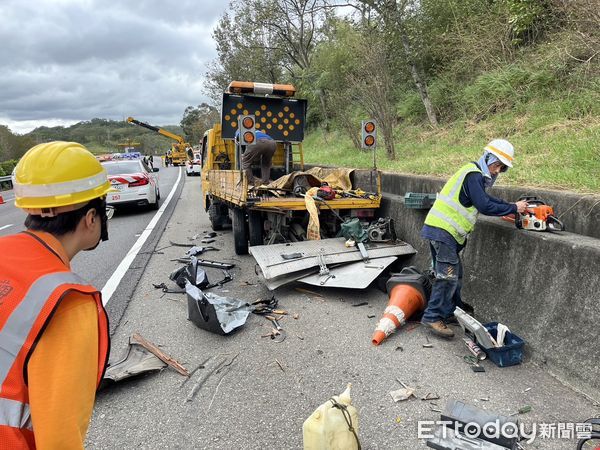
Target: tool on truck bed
{"points": [[538, 217]]}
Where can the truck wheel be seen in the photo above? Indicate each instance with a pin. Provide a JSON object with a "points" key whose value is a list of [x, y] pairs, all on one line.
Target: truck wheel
{"points": [[255, 228], [217, 218], [240, 231]]}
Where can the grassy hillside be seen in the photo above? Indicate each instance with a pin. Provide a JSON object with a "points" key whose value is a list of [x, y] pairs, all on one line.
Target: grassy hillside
{"points": [[551, 152]]}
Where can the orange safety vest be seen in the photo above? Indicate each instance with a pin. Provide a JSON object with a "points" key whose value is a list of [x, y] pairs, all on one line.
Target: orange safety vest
{"points": [[33, 281]]}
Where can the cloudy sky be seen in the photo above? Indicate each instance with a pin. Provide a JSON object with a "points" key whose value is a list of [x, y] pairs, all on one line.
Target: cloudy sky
{"points": [[64, 61]]}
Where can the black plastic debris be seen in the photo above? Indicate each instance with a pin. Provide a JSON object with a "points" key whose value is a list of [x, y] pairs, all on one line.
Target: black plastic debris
{"points": [[192, 273], [220, 315]]}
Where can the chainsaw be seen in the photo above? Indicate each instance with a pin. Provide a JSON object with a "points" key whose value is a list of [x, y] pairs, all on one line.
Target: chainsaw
{"points": [[538, 217]]}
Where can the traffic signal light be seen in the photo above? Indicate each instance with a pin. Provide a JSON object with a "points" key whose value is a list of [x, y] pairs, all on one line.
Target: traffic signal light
{"points": [[369, 134], [247, 129]]}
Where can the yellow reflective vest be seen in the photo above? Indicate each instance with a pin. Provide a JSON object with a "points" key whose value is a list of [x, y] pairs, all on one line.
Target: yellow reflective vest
{"points": [[448, 213]]}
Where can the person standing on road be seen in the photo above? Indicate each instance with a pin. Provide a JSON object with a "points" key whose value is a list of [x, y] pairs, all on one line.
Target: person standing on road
{"points": [[151, 161], [54, 341], [450, 221], [262, 150]]}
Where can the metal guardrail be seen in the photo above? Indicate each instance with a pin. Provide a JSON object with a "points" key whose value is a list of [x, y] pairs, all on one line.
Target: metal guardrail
{"points": [[6, 179]]}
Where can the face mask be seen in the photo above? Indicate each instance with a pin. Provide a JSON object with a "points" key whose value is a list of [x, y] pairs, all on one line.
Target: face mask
{"points": [[103, 225]]}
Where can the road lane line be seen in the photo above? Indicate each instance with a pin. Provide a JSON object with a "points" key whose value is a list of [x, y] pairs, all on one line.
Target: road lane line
{"points": [[113, 282], [6, 226]]}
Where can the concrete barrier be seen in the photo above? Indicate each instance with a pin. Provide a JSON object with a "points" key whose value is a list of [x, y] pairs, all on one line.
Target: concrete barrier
{"points": [[543, 286]]}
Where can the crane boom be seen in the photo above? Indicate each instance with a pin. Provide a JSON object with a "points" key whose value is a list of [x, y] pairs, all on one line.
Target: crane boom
{"points": [[166, 133]]}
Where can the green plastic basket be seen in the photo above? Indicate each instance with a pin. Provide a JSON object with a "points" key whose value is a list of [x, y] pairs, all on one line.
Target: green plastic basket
{"points": [[415, 200]]}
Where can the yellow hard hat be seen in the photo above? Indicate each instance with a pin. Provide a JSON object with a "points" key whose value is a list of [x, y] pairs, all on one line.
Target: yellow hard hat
{"points": [[57, 177]]}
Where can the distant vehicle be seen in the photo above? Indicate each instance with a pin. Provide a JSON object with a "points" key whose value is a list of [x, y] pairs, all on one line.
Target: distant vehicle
{"points": [[194, 165], [133, 182], [131, 155]]}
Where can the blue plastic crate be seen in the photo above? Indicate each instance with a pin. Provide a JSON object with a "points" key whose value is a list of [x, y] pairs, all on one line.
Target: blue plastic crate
{"points": [[510, 354]]}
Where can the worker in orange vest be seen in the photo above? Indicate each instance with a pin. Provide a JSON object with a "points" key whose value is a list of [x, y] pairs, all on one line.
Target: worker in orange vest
{"points": [[54, 341]]}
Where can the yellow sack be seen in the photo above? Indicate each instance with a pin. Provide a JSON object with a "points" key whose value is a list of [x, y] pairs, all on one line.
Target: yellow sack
{"points": [[313, 232]]}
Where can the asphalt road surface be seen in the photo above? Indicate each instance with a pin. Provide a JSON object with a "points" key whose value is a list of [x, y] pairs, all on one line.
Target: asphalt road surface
{"points": [[125, 228], [250, 392]]}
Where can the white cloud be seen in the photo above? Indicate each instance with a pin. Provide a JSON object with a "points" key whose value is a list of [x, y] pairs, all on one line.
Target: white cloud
{"points": [[66, 60]]}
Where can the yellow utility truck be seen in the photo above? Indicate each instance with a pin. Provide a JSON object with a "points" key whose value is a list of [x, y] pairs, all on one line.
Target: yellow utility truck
{"points": [[279, 211], [178, 153]]}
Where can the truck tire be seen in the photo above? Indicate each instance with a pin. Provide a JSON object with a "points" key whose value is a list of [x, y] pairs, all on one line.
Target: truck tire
{"points": [[255, 228], [240, 231], [217, 218]]}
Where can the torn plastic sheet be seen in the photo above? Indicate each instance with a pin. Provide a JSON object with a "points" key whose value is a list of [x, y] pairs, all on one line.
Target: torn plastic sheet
{"points": [[214, 313], [192, 273], [138, 360]]}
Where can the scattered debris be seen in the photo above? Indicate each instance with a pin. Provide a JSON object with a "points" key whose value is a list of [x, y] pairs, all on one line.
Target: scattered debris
{"points": [[361, 304], [485, 399], [403, 394], [399, 347], [264, 306], [168, 290], [197, 250], [296, 316], [477, 368], [307, 292], [371, 316], [138, 339], [207, 240], [190, 273], [207, 263], [430, 396], [217, 368], [136, 361], [400, 395], [214, 313], [522, 410], [210, 234], [527, 390], [280, 365], [428, 344]]}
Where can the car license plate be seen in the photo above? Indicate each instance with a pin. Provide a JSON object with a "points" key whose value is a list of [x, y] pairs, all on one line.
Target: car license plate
{"points": [[115, 197]]}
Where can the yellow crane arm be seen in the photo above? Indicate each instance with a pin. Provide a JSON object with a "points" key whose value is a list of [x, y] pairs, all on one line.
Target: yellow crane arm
{"points": [[166, 133]]}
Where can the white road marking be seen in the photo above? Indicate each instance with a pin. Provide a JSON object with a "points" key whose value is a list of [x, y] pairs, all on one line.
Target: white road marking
{"points": [[113, 282], [6, 226]]}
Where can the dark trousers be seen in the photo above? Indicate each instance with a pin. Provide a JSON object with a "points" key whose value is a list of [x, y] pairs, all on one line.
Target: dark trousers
{"points": [[445, 293], [264, 149]]}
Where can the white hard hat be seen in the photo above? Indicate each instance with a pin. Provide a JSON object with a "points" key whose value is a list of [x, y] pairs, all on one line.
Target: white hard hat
{"points": [[503, 150]]}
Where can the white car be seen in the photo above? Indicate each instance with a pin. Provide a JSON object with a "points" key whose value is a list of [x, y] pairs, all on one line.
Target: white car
{"points": [[193, 167], [133, 182]]}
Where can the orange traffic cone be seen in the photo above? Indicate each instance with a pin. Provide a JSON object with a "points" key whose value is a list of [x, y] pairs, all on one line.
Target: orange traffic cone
{"points": [[2, 200], [407, 296]]}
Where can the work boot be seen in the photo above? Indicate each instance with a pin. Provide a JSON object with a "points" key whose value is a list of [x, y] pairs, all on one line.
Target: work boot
{"points": [[439, 328]]}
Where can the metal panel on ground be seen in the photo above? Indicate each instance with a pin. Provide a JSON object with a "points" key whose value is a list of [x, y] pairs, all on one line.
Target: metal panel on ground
{"points": [[273, 264], [358, 275]]}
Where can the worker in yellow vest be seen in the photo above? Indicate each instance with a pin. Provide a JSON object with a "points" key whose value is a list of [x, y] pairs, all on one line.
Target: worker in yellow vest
{"points": [[451, 220], [54, 341]]}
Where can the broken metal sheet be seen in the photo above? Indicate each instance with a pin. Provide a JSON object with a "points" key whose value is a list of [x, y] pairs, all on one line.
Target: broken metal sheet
{"points": [[138, 360], [358, 275], [214, 313], [333, 251]]}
